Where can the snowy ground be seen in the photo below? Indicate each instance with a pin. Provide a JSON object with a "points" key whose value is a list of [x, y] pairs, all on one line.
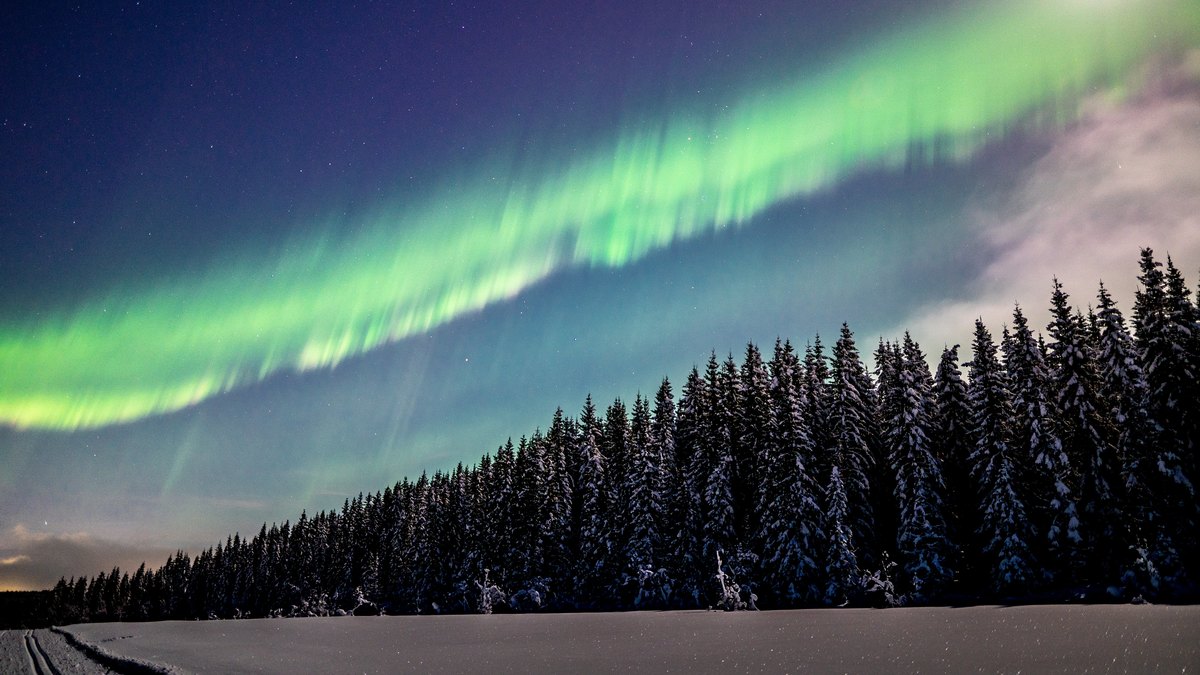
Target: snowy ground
{"points": [[1119, 638], [44, 652]]}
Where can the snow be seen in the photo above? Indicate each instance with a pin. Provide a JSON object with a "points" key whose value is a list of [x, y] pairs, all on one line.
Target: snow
{"points": [[17, 654], [1065, 638], [13, 657]]}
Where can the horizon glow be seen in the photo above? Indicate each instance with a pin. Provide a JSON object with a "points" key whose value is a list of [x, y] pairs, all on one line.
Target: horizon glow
{"points": [[938, 91]]}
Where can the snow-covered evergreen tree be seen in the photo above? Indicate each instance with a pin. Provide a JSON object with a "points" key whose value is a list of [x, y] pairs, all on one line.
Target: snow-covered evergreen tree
{"points": [[885, 507], [1054, 481], [852, 432], [843, 581], [790, 511], [614, 446], [952, 446], [675, 532], [922, 540], [753, 428], [689, 451], [529, 512], [1164, 360], [645, 580], [1165, 338], [1005, 529], [1148, 554], [716, 466], [1086, 437], [556, 535], [592, 561], [815, 383]]}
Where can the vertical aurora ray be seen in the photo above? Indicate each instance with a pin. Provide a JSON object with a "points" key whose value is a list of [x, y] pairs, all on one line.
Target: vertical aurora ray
{"points": [[944, 88]]}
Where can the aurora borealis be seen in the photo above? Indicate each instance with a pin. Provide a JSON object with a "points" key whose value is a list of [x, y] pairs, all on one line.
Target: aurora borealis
{"points": [[777, 194]]}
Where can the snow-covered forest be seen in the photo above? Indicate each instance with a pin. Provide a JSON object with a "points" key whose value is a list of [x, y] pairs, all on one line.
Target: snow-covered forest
{"points": [[1060, 464]]}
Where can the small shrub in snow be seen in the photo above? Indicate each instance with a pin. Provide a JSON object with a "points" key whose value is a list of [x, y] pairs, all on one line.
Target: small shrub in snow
{"points": [[879, 586]]}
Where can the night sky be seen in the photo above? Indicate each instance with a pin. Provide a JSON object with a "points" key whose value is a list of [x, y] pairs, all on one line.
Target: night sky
{"points": [[257, 259]]}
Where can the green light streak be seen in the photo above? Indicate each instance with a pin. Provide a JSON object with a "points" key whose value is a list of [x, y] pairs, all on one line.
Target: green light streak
{"points": [[947, 87]]}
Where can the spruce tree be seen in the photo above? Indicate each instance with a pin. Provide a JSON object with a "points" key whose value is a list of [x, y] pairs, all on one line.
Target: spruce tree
{"points": [[689, 451], [592, 561], [716, 468], [677, 537], [922, 540], [1086, 437], [530, 513], [1005, 528], [557, 535], [501, 515], [1164, 360], [753, 428], [843, 579], [852, 432], [885, 506], [644, 577], [615, 448], [1124, 393], [1053, 498], [792, 522], [1177, 391], [1165, 337], [815, 383], [952, 446]]}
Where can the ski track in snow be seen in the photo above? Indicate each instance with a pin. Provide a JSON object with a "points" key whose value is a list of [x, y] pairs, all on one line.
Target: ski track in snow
{"points": [[43, 652], [1065, 638]]}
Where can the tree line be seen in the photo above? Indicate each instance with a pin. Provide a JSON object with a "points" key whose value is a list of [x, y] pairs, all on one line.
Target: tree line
{"points": [[1062, 466]]}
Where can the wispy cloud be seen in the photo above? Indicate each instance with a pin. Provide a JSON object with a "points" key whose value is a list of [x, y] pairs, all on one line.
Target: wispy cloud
{"points": [[32, 560], [1127, 176]]}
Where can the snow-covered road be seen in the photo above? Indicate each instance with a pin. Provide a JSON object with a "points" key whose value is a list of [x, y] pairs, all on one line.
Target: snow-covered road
{"points": [[1069, 638]]}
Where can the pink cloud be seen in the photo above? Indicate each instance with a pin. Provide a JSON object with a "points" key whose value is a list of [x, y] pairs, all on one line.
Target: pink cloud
{"points": [[1126, 176]]}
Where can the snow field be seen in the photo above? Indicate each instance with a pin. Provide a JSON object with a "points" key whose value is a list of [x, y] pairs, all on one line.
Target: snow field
{"points": [[1067, 638]]}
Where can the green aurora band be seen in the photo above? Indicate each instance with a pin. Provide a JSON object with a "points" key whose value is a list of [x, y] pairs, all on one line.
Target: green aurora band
{"points": [[943, 88]]}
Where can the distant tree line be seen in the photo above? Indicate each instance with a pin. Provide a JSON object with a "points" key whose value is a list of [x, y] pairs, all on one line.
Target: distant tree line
{"points": [[1062, 466]]}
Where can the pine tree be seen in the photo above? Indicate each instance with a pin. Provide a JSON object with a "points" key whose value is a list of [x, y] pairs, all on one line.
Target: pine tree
{"points": [[557, 534], [852, 432], [952, 446], [922, 540], [530, 510], [1176, 392], [1054, 481], [672, 494], [594, 534], [1086, 436], [1005, 527], [1163, 360], [689, 433], [753, 428], [675, 496], [614, 446], [1124, 392], [645, 578], [816, 392], [502, 499], [716, 468], [885, 506], [1169, 362], [844, 581], [791, 519]]}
